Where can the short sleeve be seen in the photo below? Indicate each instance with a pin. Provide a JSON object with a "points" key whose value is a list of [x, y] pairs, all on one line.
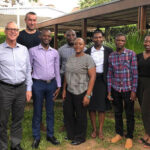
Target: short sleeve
{"points": [[90, 62]]}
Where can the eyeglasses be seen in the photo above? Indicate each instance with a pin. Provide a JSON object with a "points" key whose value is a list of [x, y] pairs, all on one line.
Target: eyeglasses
{"points": [[12, 29]]}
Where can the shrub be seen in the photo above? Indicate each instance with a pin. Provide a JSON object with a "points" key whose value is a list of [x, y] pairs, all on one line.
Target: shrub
{"points": [[134, 41], [2, 37]]}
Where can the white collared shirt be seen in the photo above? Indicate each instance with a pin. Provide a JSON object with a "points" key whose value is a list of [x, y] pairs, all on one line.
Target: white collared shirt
{"points": [[15, 65], [98, 57]]}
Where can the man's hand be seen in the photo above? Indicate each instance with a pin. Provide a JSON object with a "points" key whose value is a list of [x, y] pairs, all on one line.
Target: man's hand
{"points": [[86, 101], [133, 96], [109, 96], [28, 95], [56, 93], [64, 95]]}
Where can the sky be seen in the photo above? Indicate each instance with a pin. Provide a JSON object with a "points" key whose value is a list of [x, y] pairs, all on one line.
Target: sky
{"points": [[63, 5]]}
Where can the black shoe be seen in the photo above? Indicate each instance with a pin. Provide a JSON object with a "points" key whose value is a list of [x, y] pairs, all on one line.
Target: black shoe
{"points": [[53, 140], [67, 139], [77, 142], [35, 143], [18, 147]]}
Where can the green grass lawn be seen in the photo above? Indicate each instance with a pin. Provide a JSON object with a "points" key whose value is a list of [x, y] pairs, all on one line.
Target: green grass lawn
{"points": [[108, 128]]}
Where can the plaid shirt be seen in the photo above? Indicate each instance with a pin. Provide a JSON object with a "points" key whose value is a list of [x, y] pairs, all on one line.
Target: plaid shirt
{"points": [[122, 71]]}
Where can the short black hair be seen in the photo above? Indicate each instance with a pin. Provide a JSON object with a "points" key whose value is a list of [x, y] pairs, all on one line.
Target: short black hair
{"points": [[120, 34], [30, 13], [98, 31], [71, 30], [44, 29]]}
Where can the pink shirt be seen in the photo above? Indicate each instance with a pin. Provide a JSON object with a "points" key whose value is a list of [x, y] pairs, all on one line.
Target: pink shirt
{"points": [[45, 64]]}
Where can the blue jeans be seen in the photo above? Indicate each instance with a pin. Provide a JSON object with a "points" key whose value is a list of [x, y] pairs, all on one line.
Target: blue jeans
{"points": [[42, 90]]}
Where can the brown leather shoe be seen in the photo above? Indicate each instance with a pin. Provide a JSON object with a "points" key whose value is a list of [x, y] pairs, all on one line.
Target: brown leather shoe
{"points": [[129, 143], [42, 127], [116, 139]]}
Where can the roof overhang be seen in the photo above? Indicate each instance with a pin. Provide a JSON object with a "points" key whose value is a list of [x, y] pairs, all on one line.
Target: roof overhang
{"points": [[119, 12]]}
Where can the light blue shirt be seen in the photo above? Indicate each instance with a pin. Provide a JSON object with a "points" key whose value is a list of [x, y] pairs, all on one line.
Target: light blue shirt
{"points": [[15, 65]]}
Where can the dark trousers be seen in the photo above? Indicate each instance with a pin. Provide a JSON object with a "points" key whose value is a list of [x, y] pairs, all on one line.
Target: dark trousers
{"points": [[119, 97], [75, 116], [42, 90], [144, 100], [12, 99], [61, 89]]}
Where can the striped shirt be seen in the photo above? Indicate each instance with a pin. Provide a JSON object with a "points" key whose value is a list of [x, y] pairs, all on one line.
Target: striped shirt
{"points": [[122, 71], [77, 73]]}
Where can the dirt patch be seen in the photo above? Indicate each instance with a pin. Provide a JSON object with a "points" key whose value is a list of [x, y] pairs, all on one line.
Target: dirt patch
{"points": [[94, 144]]}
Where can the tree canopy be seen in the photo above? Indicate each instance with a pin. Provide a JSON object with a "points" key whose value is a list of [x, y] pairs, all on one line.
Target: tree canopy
{"points": [[90, 3]]}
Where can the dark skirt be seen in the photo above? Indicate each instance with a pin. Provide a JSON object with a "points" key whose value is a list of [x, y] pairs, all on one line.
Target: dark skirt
{"points": [[99, 101], [144, 98]]}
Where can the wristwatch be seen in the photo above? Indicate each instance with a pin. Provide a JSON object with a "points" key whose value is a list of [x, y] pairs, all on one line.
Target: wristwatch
{"points": [[88, 96]]}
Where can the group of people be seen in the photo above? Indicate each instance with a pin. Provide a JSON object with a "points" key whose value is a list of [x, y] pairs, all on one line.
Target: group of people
{"points": [[91, 79]]}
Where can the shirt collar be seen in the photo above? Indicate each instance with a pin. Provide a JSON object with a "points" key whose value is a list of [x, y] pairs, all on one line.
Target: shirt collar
{"points": [[95, 50], [68, 46], [42, 48], [5, 44], [123, 52]]}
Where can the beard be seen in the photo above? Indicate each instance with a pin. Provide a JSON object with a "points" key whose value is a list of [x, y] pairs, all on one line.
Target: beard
{"points": [[30, 29], [98, 45]]}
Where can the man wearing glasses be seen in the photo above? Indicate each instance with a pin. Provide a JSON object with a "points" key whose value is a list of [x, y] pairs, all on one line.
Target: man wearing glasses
{"points": [[15, 86]]}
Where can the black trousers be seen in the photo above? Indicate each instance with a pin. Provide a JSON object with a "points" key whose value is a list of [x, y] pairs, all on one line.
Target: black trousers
{"points": [[119, 98], [12, 99], [144, 100], [75, 116]]}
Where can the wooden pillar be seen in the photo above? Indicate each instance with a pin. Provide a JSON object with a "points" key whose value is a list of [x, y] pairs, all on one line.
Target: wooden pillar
{"points": [[84, 29], [142, 19], [55, 36], [107, 33]]}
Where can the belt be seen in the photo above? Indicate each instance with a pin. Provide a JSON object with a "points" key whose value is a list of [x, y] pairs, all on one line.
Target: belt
{"points": [[99, 74], [46, 81], [13, 85]]}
